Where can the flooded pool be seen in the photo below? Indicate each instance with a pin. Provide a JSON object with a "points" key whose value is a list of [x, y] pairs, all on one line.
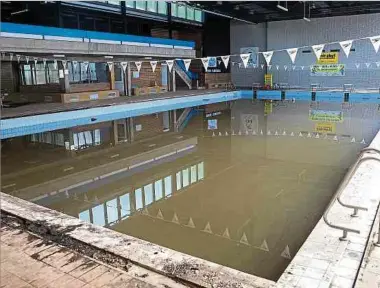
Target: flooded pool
{"points": [[243, 183]]}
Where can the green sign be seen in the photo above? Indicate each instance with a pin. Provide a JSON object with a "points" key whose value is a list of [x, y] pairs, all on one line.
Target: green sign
{"points": [[325, 116], [328, 70]]}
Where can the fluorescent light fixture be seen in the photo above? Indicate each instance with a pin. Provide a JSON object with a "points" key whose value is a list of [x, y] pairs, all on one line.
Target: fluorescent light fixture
{"points": [[108, 57], [58, 55], [19, 12], [306, 19], [282, 8], [147, 57]]}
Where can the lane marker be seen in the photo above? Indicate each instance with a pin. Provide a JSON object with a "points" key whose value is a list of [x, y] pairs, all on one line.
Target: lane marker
{"points": [[8, 186], [68, 169], [115, 155]]}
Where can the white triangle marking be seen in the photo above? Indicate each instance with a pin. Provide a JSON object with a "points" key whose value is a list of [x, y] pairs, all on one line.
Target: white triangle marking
{"points": [[244, 239], [159, 215], [286, 253], [207, 228], [226, 234], [175, 219], [190, 223], [363, 141], [264, 246], [353, 140]]}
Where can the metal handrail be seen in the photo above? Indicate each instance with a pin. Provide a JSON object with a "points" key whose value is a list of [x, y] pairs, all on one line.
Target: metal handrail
{"points": [[340, 190], [355, 207]]}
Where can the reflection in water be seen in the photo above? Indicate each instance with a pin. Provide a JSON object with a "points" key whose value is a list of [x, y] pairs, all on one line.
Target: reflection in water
{"points": [[250, 194]]}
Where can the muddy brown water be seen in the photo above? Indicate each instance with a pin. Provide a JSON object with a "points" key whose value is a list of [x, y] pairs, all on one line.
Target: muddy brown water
{"points": [[240, 197]]}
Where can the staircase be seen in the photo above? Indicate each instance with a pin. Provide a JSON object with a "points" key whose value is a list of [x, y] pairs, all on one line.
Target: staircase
{"points": [[185, 117], [187, 76]]}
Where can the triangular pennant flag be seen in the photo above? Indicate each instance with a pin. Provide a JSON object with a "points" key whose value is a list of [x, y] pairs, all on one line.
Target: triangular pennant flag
{"points": [[300, 135], [159, 215], [138, 65], [302, 67], [75, 196], [268, 56], [245, 58], [170, 64], [153, 64], [367, 65], [264, 246], [294, 67], [226, 234], [27, 59], [145, 211], [292, 134], [44, 61], [190, 223], [317, 135], [10, 56], [377, 64], [362, 142], [187, 63], [308, 135], [110, 65], [207, 228], [226, 133], [286, 253], [219, 62], [357, 65], [96, 200], [246, 133], [269, 67], [335, 138], [175, 219], [318, 49], [55, 64], [213, 134], [277, 67], [346, 46], [85, 198], [284, 133], [269, 133], [67, 194], [285, 67], [64, 62], [292, 53], [124, 65], [353, 140], [18, 58], [85, 64], [375, 40], [35, 60], [75, 63], [205, 62], [244, 239], [262, 66], [225, 60], [220, 134]]}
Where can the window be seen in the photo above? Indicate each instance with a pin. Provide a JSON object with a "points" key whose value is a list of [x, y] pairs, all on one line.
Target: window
{"points": [[174, 9], [141, 5], [181, 11], [151, 6], [98, 215], [125, 205], [200, 171], [138, 197], [193, 174], [86, 139], [40, 73], [198, 15], [168, 186], [113, 2], [158, 190], [52, 73], [112, 214], [185, 177], [85, 216], [130, 4], [148, 194], [162, 7], [189, 13], [178, 179]]}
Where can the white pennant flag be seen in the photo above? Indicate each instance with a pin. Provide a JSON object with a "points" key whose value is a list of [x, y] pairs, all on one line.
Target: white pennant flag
{"points": [[18, 58], [187, 63], [346, 46], [269, 67], [110, 65], [311, 67], [277, 67], [302, 67], [375, 40], [219, 62], [357, 65], [10, 56], [262, 66], [292, 53], [285, 67], [138, 65], [35, 60], [85, 64], [44, 60], [294, 67], [239, 64], [170, 64], [153, 64], [55, 64], [124, 65], [245, 58], [64, 62], [75, 63], [205, 62], [367, 64], [225, 60], [318, 49], [377, 64], [268, 56]]}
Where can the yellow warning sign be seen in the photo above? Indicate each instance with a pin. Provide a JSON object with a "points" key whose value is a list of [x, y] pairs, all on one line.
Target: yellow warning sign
{"points": [[325, 127], [268, 107], [268, 80], [329, 58]]}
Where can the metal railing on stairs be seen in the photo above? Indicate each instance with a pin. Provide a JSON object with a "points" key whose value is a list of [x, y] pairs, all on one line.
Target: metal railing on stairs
{"points": [[183, 75], [341, 188]]}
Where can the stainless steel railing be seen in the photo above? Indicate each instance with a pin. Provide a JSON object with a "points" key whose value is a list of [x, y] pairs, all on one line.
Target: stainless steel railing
{"points": [[341, 188]]}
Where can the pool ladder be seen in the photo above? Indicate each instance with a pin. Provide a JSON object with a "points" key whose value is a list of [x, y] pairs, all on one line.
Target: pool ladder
{"points": [[342, 186]]}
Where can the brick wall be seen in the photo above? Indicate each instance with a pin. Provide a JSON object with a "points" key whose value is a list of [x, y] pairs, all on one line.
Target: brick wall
{"points": [[8, 77], [43, 88], [85, 87], [217, 77], [147, 77], [151, 125]]}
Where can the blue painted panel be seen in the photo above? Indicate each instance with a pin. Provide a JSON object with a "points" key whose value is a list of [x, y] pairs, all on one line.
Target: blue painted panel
{"points": [[63, 32], [298, 95], [329, 96], [269, 95], [364, 97]]}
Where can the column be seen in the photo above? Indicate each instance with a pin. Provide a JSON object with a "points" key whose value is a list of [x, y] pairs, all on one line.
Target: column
{"points": [[64, 80], [131, 131], [112, 75], [173, 82], [129, 79], [175, 121]]}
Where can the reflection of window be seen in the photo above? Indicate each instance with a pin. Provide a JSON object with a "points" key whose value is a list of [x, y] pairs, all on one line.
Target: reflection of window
{"points": [[151, 6], [189, 13], [158, 190], [198, 15], [37, 74], [141, 5], [179, 182], [162, 7], [200, 171], [185, 177], [98, 215], [86, 139], [85, 215], [148, 193], [168, 185], [40, 73], [138, 197], [174, 9], [28, 75], [125, 205], [181, 11], [193, 174], [112, 214], [130, 4]]}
